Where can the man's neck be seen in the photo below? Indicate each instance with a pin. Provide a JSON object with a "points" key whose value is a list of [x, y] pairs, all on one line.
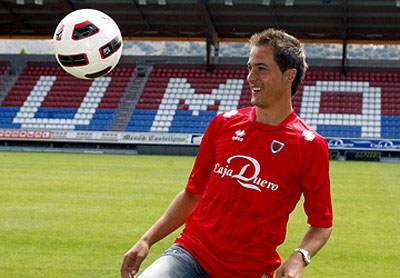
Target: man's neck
{"points": [[274, 115]]}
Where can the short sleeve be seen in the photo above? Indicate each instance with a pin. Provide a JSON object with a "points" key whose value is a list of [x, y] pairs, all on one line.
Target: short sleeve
{"points": [[315, 183], [204, 161]]}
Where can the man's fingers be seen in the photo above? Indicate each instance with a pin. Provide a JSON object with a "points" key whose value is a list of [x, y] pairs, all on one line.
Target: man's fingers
{"points": [[130, 265], [126, 266], [136, 263], [133, 258], [132, 273], [279, 273], [124, 273]]}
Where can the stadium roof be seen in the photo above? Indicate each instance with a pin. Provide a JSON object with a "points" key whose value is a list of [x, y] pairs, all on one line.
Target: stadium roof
{"points": [[218, 20]]}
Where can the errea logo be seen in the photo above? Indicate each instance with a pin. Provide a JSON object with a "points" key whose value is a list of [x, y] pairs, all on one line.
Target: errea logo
{"points": [[239, 135]]}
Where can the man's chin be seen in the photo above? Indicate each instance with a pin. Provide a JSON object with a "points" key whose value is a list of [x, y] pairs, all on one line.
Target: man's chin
{"points": [[258, 104], [254, 102]]}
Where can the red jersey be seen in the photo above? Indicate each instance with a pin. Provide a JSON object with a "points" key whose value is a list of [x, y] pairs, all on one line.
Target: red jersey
{"points": [[251, 177]]}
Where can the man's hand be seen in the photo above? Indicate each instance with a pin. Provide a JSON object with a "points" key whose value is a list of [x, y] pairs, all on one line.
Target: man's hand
{"points": [[292, 268], [133, 258], [174, 217]]}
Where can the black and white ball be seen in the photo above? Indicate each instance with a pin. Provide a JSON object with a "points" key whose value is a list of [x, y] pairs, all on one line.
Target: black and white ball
{"points": [[87, 43]]}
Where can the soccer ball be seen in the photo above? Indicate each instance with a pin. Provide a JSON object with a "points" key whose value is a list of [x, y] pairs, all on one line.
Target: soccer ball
{"points": [[87, 43]]}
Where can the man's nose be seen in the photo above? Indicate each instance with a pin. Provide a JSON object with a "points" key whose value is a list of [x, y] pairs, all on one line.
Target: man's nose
{"points": [[251, 76]]}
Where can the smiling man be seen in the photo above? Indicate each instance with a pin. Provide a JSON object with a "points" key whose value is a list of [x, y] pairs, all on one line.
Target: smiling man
{"points": [[252, 167]]}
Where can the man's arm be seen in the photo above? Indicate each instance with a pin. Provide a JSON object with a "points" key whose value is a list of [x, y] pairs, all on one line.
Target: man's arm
{"points": [[174, 217], [313, 240]]}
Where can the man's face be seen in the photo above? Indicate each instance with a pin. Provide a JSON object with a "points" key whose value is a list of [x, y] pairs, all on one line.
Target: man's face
{"points": [[267, 83]]}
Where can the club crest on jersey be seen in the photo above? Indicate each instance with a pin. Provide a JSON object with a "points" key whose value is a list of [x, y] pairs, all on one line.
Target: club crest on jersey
{"points": [[276, 146]]}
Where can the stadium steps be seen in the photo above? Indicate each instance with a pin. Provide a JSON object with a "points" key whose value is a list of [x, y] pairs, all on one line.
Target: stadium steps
{"points": [[6, 83], [131, 98], [184, 98]]}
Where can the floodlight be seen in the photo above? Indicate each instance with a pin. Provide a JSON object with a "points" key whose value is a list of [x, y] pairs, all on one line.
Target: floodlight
{"points": [[265, 2], [39, 2], [289, 2], [162, 2], [20, 2], [398, 3], [229, 2], [142, 2]]}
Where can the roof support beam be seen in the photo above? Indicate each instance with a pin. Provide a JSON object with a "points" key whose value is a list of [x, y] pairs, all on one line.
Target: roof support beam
{"points": [[141, 14], [66, 6], [277, 25], [208, 61], [19, 24], [345, 36], [210, 31], [4, 6]]}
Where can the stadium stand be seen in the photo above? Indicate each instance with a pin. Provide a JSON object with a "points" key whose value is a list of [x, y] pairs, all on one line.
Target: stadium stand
{"points": [[4, 67], [361, 104], [46, 97], [183, 98]]}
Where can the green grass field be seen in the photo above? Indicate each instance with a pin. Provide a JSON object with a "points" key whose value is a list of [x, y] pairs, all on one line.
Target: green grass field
{"points": [[75, 215]]}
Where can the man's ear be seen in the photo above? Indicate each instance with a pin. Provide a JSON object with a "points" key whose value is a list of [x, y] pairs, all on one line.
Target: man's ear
{"points": [[291, 74]]}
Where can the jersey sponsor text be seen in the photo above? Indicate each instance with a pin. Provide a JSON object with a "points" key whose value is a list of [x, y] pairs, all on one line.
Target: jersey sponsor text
{"points": [[256, 183]]}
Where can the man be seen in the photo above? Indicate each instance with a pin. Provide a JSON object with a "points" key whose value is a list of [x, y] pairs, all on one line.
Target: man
{"points": [[252, 167]]}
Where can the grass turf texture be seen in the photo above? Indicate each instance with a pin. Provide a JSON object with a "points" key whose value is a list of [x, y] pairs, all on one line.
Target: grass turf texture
{"points": [[75, 215]]}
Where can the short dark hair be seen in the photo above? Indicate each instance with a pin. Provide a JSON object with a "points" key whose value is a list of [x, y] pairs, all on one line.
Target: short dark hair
{"points": [[289, 52]]}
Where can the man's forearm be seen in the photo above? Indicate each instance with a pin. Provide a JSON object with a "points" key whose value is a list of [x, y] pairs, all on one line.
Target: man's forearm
{"points": [[315, 238], [313, 241], [174, 217]]}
